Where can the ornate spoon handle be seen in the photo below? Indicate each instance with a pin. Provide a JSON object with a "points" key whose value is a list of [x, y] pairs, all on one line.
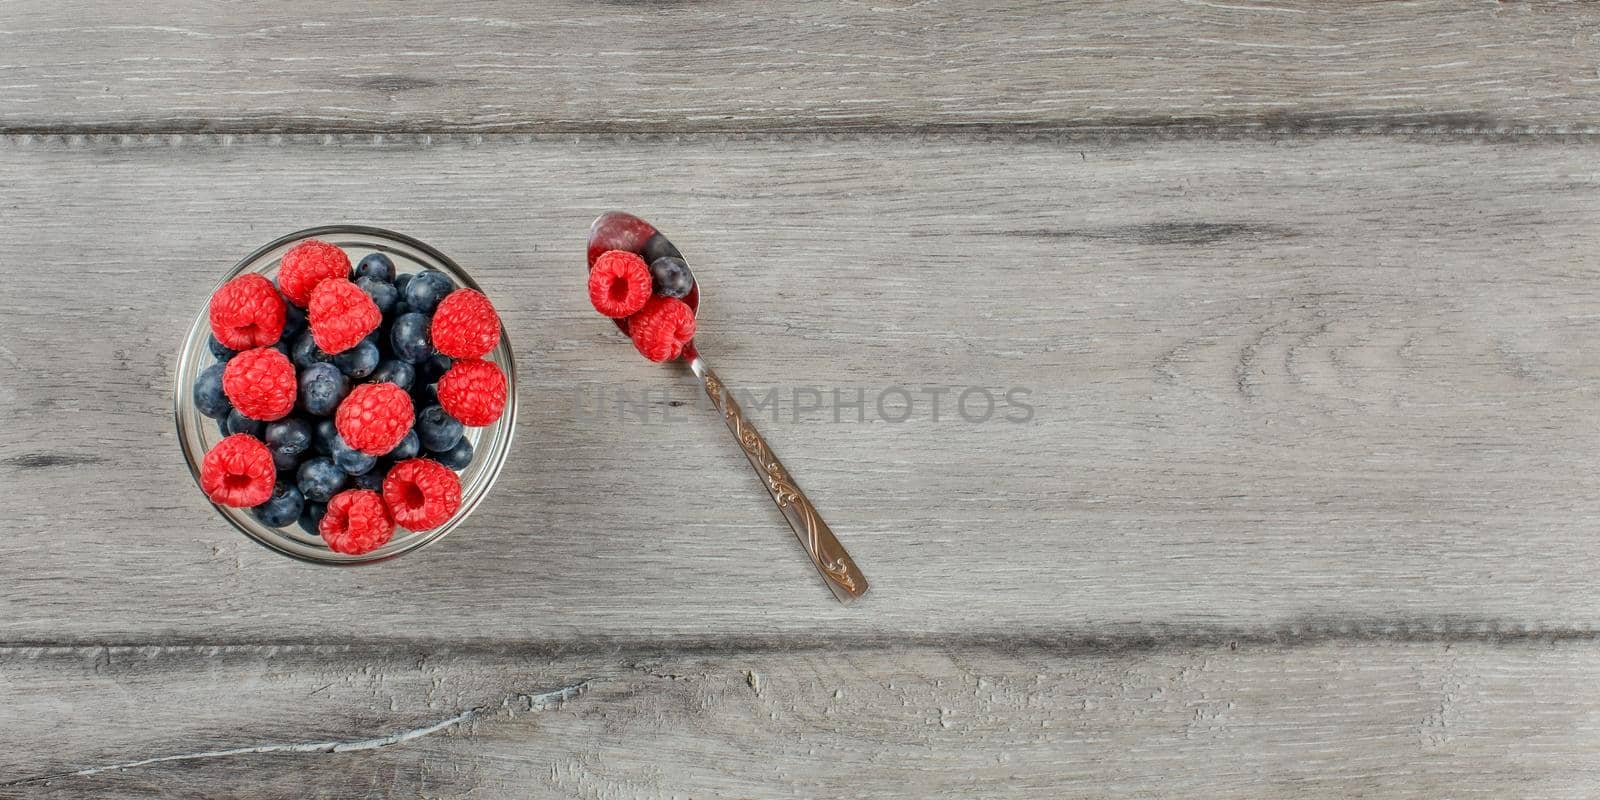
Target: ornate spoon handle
{"points": [[838, 570]]}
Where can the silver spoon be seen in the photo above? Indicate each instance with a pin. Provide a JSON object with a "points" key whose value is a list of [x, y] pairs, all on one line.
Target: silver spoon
{"points": [[616, 230]]}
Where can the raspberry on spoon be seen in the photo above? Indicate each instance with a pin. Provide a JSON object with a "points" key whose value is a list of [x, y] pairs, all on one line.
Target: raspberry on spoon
{"points": [[615, 230], [619, 283], [662, 328]]}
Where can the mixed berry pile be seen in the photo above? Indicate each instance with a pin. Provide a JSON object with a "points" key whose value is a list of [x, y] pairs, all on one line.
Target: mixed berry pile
{"points": [[637, 277], [343, 395]]}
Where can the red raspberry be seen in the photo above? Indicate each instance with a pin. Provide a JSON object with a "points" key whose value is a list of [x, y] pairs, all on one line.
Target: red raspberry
{"points": [[473, 392], [341, 315], [260, 383], [615, 230], [306, 265], [465, 325], [422, 493], [238, 472], [357, 522], [662, 328], [619, 283], [247, 312], [374, 417]]}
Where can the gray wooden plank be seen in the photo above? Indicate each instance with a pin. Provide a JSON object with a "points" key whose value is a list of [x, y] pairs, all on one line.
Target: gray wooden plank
{"points": [[1326, 385], [1370, 719], [178, 65]]}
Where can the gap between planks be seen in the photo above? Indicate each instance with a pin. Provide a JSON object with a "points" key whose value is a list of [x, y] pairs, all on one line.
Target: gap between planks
{"points": [[1152, 638], [933, 134]]}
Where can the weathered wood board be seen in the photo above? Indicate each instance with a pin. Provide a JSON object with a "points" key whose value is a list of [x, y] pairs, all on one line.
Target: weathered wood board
{"points": [[1338, 718], [174, 65], [1324, 383]]}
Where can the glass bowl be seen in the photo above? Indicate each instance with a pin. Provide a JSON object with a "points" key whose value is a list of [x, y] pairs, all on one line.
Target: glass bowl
{"points": [[198, 433]]}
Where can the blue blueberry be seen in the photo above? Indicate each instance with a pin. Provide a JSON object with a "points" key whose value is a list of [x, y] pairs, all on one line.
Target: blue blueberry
{"points": [[322, 386], [236, 422], [371, 480], [322, 441], [408, 447], [208, 395], [377, 266], [290, 435], [671, 276], [218, 350], [409, 337], [656, 247], [424, 395], [423, 292], [311, 516], [457, 457], [294, 322], [359, 361], [286, 462], [396, 372], [305, 352], [320, 479], [384, 295], [400, 282], [284, 508], [380, 337], [351, 460], [434, 368], [282, 346], [437, 430]]}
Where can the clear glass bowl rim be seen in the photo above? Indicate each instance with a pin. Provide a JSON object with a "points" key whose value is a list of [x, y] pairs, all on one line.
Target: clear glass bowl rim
{"points": [[492, 458]]}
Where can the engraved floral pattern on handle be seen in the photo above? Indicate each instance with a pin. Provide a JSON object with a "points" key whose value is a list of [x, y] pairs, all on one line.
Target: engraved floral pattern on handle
{"points": [[836, 566]]}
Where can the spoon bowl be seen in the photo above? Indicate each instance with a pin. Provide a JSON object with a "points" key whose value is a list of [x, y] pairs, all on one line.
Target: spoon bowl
{"points": [[619, 230]]}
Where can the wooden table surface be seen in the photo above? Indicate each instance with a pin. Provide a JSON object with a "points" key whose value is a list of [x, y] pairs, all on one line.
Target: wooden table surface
{"points": [[1302, 297]]}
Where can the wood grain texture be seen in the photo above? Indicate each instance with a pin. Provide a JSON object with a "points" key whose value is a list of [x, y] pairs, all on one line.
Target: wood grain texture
{"points": [[1333, 719], [1330, 386], [178, 65]]}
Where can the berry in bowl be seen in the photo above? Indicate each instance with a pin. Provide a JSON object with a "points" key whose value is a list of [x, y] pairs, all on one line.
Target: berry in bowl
{"points": [[346, 396]]}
